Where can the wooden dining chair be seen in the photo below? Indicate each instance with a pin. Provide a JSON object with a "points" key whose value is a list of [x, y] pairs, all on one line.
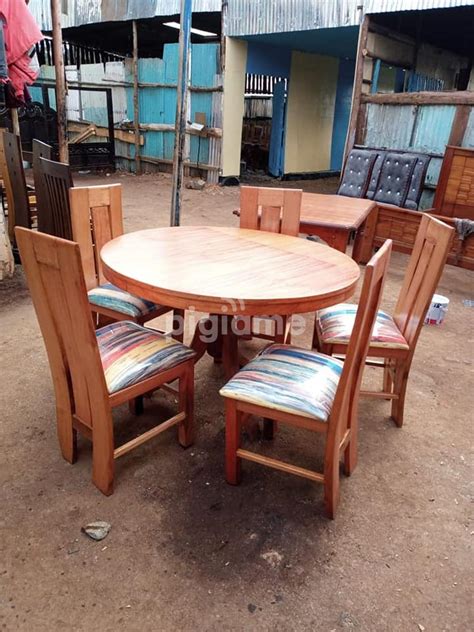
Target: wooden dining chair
{"points": [[42, 150], [394, 337], [275, 211], [96, 217], [20, 200], [310, 390], [94, 371], [57, 179]]}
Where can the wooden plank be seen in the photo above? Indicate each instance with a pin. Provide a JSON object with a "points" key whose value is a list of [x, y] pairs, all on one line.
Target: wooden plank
{"points": [[150, 434], [459, 125], [280, 465], [102, 132], [358, 83], [136, 111], [60, 81], [421, 98]]}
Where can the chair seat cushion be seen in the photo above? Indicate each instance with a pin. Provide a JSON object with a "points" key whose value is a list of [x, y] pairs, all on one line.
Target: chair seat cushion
{"points": [[131, 353], [112, 297], [335, 326], [289, 379]]}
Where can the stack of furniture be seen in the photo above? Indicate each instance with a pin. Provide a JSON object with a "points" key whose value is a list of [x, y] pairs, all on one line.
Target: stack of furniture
{"points": [[453, 204]]}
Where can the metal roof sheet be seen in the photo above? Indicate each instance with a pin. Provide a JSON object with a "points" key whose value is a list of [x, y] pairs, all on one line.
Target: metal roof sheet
{"points": [[250, 17], [81, 12]]}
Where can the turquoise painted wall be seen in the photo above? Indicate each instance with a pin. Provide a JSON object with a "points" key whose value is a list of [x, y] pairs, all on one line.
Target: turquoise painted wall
{"points": [[158, 105]]}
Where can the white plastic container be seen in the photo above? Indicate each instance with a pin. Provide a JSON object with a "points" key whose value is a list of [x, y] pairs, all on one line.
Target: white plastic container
{"points": [[437, 310]]}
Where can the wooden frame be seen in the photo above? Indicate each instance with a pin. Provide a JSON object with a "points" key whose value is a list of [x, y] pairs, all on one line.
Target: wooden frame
{"points": [[402, 225], [11, 169], [55, 277], [275, 211], [41, 150], [96, 218], [57, 183], [341, 428], [455, 191], [424, 270]]}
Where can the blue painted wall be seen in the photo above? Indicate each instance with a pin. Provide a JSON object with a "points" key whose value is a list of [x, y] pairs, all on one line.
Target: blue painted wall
{"points": [[158, 105], [264, 59], [342, 111]]}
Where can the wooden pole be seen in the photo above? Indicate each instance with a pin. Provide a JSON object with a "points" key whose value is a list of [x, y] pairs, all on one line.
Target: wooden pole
{"points": [[136, 106], [60, 84], [357, 89], [15, 121], [180, 122]]}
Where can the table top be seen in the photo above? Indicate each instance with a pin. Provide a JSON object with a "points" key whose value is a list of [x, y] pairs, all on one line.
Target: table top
{"points": [[229, 270], [335, 211]]}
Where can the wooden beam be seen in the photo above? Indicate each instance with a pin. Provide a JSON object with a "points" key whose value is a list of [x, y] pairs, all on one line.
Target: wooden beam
{"points": [[215, 132], [358, 83], [421, 98], [102, 132], [181, 102], [15, 121], [136, 111], [166, 161], [459, 126], [60, 83], [280, 465]]}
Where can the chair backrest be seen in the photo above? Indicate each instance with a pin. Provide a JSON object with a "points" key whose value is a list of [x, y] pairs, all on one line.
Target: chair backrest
{"points": [[41, 150], [455, 191], [357, 173], [11, 167], [425, 267], [273, 210], [348, 389], [96, 215], [395, 178], [54, 273], [57, 182]]}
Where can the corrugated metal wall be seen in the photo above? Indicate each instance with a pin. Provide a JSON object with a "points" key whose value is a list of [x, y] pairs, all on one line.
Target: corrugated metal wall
{"points": [[89, 11], [252, 17], [157, 104], [422, 128]]}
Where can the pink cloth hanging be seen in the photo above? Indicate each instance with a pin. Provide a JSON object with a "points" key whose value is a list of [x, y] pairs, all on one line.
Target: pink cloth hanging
{"points": [[21, 33]]}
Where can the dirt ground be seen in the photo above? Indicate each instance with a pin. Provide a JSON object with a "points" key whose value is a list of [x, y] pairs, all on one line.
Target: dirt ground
{"points": [[188, 552]]}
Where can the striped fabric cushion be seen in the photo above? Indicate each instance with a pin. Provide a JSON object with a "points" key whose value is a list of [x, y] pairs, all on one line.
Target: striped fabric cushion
{"points": [[290, 379], [131, 353], [112, 297], [336, 323]]}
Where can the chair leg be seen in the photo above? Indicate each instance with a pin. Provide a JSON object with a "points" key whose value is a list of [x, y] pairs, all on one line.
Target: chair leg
{"points": [[316, 343], [67, 437], [269, 428], [232, 443], [103, 465], [399, 388], [351, 450], [178, 325], [331, 475], [186, 405], [282, 334], [387, 378], [136, 406]]}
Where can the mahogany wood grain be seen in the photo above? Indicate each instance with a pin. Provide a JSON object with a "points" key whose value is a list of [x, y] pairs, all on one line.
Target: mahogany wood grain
{"points": [[96, 218], [275, 211], [341, 429], [55, 277], [229, 270], [333, 211], [425, 267]]}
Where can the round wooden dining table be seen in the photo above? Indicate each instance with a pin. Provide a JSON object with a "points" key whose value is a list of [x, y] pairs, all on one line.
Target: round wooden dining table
{"points": [[229, 272]]}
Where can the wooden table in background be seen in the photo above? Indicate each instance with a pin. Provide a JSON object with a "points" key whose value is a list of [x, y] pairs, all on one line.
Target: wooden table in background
{"points": [[333, 217], [229, 272]]}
